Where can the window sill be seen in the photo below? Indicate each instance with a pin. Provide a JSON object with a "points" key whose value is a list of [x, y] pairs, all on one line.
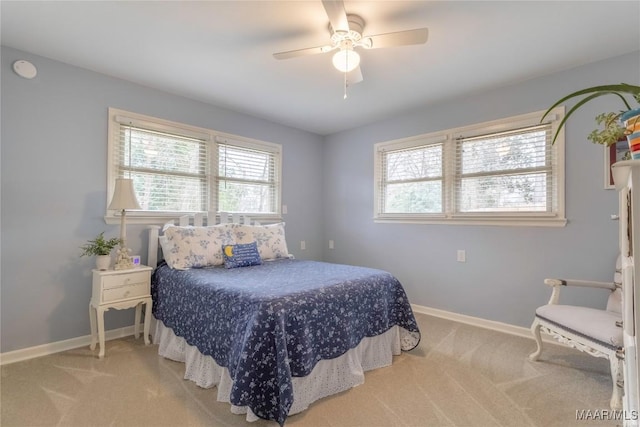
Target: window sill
{"points": [[163, 218], [529, 221]]}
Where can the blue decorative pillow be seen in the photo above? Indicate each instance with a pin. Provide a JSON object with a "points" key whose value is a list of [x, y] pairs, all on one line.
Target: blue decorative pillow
{"points": [[241, 255]]}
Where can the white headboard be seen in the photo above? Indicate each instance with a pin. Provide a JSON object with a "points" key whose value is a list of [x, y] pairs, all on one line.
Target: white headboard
{"points": [[197, 220]]}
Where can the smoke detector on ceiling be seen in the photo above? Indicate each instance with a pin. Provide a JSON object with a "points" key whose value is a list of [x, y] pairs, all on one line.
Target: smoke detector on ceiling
{"points": [[25, 69]]}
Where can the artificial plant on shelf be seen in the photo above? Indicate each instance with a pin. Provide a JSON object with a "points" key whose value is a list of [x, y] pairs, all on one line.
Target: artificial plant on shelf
{"points": [[612, 129]]}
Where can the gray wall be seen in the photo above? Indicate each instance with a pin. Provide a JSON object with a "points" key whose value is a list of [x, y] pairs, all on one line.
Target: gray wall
{"points": [[502, 278], [54, 147]]}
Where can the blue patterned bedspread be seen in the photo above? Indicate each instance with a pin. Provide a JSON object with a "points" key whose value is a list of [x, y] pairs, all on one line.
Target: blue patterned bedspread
{"points": [[274, 321]]}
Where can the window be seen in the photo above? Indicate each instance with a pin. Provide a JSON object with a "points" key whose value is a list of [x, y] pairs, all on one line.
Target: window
{"points": [[505, 172], [412, 178], [182, 169]]}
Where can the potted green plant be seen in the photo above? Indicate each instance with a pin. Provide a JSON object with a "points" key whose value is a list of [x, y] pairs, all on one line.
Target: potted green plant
{"points": [[101, 248], [613, 129]]}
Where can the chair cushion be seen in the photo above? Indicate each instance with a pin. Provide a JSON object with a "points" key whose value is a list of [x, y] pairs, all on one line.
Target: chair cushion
{"points": [[592, 324]]}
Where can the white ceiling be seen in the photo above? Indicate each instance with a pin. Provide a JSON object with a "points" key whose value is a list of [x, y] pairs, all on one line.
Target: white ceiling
{"points": [[220, 52]]}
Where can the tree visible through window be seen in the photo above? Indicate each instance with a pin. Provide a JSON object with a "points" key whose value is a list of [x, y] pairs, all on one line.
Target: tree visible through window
{"points": [[169, 172], [505, 173], [245, 181], [413, 180]]}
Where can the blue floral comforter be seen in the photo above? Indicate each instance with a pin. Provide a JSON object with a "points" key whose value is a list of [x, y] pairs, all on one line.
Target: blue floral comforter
{"points": [[271, 322]]}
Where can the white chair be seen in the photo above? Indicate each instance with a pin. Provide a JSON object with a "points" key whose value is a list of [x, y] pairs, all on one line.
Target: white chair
{"points": [[593, 331]]}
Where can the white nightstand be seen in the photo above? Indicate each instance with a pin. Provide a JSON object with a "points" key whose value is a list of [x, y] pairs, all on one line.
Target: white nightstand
{"points": [[119, 289]]}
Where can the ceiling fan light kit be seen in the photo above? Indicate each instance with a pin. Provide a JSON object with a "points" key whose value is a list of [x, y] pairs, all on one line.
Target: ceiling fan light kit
{"points": [[346, 59], [346, 34]]}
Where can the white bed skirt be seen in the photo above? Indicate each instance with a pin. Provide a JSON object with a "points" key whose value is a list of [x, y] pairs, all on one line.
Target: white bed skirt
{"points": [[327, 377]]}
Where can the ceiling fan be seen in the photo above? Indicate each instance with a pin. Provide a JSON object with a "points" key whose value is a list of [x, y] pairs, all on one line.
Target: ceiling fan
{"points": [[346, 35]]}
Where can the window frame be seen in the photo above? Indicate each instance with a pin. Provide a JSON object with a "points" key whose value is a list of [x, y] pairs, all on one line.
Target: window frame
{"points": [[451, 175], [212, 139]]}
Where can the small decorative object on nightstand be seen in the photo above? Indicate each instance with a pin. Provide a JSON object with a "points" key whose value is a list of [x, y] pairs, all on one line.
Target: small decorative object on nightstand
{"points": [[119, 289]]}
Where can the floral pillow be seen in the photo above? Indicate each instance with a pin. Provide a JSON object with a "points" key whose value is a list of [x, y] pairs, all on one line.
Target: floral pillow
{"points": [[166, 250], [241, 255], [195, 247], [270, 239]]}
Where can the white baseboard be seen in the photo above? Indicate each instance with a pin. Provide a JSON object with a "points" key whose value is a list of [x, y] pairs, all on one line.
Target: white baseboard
{"points": [[56, 347], [481, 323]]}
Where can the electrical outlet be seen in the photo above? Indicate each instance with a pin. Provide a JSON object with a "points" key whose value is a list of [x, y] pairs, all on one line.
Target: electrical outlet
{"points": [[303, 245], [330, 244], [462, 255], [284, 209]]}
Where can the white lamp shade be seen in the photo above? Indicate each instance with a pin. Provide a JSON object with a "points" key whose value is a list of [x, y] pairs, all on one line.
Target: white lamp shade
{"points": [[124, 197], [346, 60]]}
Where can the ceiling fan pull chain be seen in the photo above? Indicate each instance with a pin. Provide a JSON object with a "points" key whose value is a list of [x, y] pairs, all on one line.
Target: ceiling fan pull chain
{"points": [[345, 85]]}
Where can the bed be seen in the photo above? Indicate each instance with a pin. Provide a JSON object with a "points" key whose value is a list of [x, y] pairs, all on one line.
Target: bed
{"points": [[274, 334]]}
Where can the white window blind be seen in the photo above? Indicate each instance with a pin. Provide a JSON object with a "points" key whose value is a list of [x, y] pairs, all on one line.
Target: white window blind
{"points": [[179, 169], [247, 179], [505, 172], [169, 171]]}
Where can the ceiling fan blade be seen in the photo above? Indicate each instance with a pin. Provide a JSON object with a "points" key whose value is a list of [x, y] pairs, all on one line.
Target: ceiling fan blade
{"points": [[302, 52], [400, 38], [354, 76], [337, 15]]}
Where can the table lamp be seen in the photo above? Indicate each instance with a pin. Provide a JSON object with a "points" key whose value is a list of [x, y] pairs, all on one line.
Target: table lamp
{"points": [[124, 197]]}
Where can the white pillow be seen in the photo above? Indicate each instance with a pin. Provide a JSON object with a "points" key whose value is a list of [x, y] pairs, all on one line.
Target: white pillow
{"points": [[166, 252], [269, 238], [195, 247]]}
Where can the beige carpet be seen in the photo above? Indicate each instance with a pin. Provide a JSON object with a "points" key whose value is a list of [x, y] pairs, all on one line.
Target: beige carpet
{"points": [[458, 376]]}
